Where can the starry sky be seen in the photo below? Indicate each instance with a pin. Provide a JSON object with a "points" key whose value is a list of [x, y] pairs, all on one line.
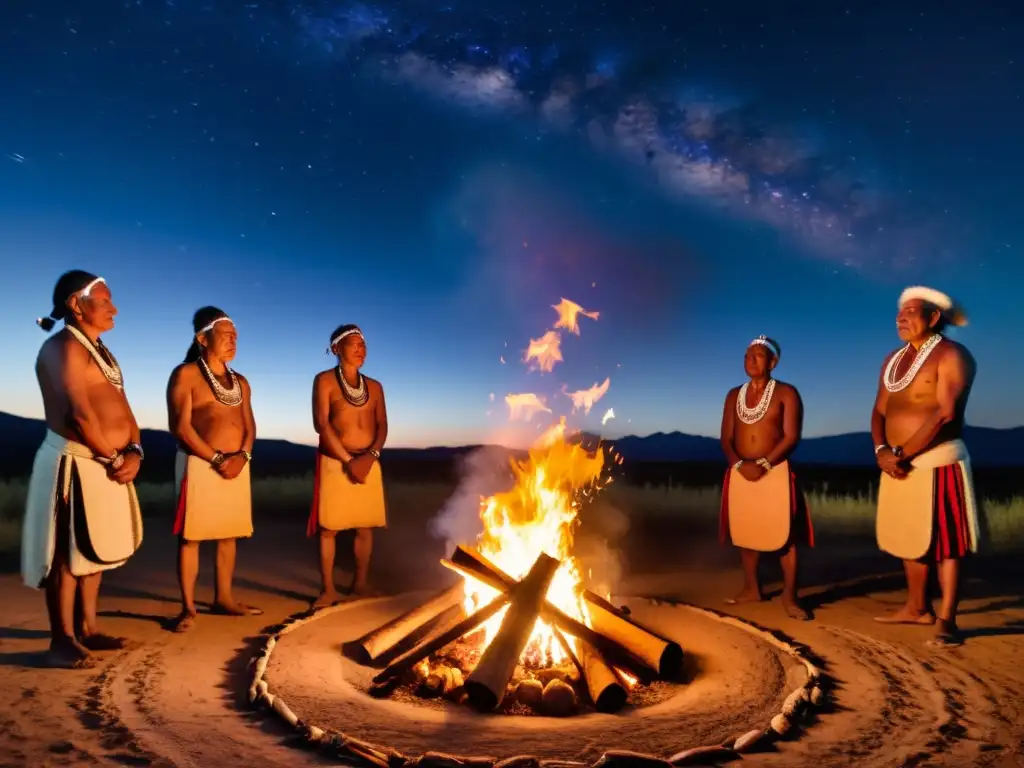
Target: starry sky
{"points": [[443, 173]]}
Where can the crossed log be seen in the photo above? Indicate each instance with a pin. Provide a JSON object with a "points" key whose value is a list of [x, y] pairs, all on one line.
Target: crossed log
{"points": [[617, 642]]}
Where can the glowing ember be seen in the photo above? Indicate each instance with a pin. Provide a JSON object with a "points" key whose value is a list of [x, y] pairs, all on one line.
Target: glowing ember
{"points": [[545, 351], [525, 406], [568, 311], [538, 514], [586, 398], [608, 416]]}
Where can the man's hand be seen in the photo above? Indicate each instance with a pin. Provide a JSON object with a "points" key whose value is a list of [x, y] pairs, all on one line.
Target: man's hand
{"points": [[232, 466], [131, 462], [751, 471], [360, 467], [890, 463]]}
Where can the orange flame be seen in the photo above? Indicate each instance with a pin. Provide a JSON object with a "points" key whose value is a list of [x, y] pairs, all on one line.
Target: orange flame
{"points": [[608, 416], [586, 398], [538, 514], [545, 351], [568, 311], [525, 406]]}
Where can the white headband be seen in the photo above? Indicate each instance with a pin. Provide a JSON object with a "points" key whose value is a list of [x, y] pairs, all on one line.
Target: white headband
{"points": [[84, 293], [343, 334], [766, 342], [209, 325], [953, 313]]}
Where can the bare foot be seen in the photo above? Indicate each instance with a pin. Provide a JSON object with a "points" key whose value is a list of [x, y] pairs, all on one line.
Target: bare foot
{"points": [[364, 590], [745, 596], [947, 635], [99, 641], [69, 654], [184, 622], [327, 598], [235, 609], [794, 610], [907, 615]]}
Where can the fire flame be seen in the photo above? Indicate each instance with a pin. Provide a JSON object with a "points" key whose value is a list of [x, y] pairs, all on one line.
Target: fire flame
{"points": [[525, 406], [608, 415], [586, 398], [545, 351], [538, 514], [568, 311]]}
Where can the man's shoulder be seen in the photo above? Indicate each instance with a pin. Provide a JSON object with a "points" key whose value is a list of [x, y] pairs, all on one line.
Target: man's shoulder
{"points": [[785, 388], [373, 383], [956, 350], [184, 372], [325, 378]]}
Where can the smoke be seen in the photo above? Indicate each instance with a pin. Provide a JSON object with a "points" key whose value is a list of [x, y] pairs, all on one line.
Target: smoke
{"points": [[598, 545]]}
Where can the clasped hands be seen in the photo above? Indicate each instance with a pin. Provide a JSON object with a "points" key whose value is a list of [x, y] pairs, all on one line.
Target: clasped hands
{"points": [[751, 470], [891, 464], [232, 465], [359, 466], [123, 468]]}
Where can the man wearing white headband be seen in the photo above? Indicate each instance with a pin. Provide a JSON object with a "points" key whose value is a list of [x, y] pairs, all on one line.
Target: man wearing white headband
{"points": [[763, 509], [82, 515], [350, 415], [926, 505], [209, 411]]}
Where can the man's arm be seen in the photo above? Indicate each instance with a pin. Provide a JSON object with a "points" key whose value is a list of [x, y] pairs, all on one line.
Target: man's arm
{"points": [[792, 426], [729, 427], [74, 360], [179, 415], [953, 380], [381, 414], [879, 410], [330, 442], [249, 438]]}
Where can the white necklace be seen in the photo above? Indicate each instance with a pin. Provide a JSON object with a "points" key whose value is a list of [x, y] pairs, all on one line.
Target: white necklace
{"points": [[894, 364], [233, 396], [356, 395], [755, 414], [111, 370]]}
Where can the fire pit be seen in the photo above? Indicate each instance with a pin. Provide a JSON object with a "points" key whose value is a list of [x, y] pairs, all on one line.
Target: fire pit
{"points": [[520, 633]]}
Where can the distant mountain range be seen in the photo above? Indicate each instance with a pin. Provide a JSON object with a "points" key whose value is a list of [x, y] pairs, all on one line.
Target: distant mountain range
{"points": [[20, 437]]}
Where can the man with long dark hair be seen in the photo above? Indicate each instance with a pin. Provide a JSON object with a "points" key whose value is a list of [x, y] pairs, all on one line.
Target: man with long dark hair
{"points": [[82, 514], [209, 408]]}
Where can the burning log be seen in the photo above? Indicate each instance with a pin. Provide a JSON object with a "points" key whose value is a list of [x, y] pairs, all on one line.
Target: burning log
{"points": [[470, 563], [487, 683], [606, 688], [654, 650], [436, 642], [403, 629]]}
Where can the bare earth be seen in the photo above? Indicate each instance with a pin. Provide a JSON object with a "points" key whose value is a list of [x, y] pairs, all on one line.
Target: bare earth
{"points": [[177, 699]]}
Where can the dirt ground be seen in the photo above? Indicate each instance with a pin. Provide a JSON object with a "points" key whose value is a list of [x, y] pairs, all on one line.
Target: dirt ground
{"points": [[177, 699]]}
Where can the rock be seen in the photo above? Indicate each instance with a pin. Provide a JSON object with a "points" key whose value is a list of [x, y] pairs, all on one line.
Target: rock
{"points": [[703, 756], [519, 761], [795, 702], [553, 673], [559, 699], [624, 758], [445, 760], [781, 724], [457, 679], [750, 741], [816, 696], [530, 693], [431, 687]]}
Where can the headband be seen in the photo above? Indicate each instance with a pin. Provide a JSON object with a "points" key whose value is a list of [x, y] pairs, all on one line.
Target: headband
{"points": [[84, 293], [951, 311], [209, 325], [343, 334], [47, 323], [764, 341]]}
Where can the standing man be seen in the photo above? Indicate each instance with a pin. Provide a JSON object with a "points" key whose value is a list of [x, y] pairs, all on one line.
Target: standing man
{"points": [[350, 416], [81, 515], [762, 508], [209, 409], [926, 505]]}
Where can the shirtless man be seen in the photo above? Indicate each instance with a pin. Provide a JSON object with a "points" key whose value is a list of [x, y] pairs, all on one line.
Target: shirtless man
{"points": [[762, 423], [350, 416], [85, 469], [210, 413], [917, 424]]}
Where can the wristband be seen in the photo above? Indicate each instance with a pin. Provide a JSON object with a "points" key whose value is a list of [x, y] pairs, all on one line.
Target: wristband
{"points": [[134, 448], [248, 457], [374, 452], [738, 464], [764, 464], [880, 447], [217, 459]]}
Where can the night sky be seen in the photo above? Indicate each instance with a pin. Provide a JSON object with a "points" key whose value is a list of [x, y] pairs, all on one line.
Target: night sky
{"points": [[443, 173]]}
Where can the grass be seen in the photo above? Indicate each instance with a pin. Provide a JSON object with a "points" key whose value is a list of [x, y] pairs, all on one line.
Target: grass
{"points": [[834, 515]]}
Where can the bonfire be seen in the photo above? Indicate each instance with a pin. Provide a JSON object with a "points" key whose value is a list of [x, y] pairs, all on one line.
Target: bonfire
{"points": [[520, 630]]}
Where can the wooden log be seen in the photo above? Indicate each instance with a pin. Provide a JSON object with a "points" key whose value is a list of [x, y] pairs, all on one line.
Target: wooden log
{"points": [[403, 628], [439, 640], [607, 690], [487, 683], [654, 649], [468, 562], [564, 642]]}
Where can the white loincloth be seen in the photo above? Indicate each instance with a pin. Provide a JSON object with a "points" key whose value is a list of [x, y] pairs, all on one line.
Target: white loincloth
{"points": [[105, 527]]}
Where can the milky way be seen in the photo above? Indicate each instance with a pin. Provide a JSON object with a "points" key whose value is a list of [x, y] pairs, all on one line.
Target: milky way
{"points": [[583, 73]]}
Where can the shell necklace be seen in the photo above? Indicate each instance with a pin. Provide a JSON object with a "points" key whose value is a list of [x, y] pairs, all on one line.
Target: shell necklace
{"points": [[755, 414], [922, 354], [356, 395], [232, 396], [103, 357]]}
